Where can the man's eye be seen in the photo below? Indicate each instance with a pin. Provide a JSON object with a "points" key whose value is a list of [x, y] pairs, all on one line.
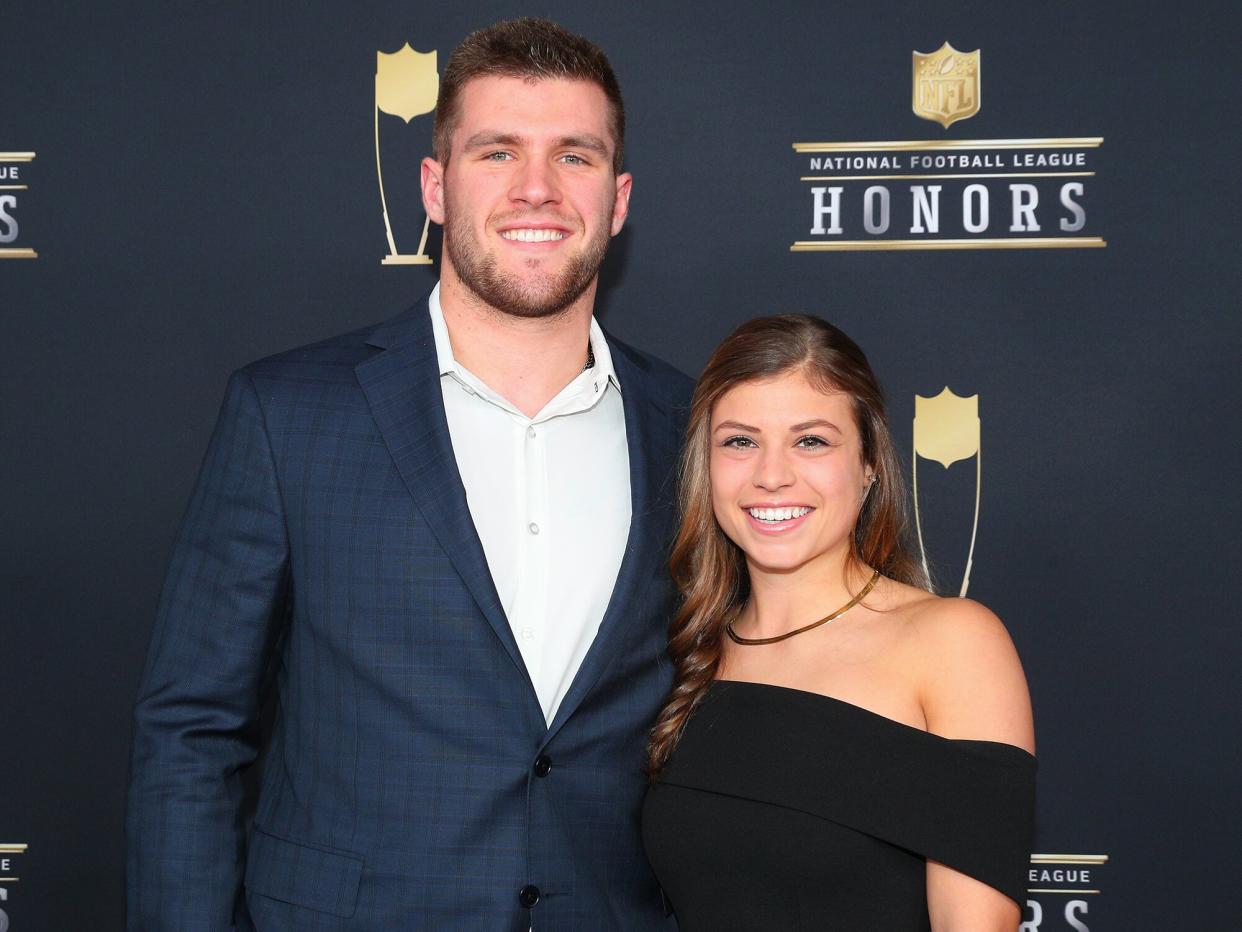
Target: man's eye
{"points": [[574, 159], [498, 156]]}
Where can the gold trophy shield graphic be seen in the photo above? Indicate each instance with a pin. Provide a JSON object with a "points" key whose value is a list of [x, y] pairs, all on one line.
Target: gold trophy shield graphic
{"points": [[946, 85], [946, 429], [406, 85]]}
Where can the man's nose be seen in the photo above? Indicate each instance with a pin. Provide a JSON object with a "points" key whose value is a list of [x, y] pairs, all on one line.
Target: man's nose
{"points": [[535, 184]]}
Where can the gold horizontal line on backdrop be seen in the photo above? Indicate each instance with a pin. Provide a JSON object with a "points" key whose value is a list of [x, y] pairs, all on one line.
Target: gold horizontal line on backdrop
{"points": [[17, 156], [14, 187], [1069, 858], [1046, 890], [936, 177], [12, 848], [888, 245], [14, 253], [1059, 142]]}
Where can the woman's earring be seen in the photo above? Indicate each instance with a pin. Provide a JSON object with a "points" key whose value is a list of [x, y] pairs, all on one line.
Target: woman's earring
{"points": [[871, 480]]}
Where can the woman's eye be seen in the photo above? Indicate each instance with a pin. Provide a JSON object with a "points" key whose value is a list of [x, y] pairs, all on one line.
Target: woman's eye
{"points": [[738, 442], [812, 442]]}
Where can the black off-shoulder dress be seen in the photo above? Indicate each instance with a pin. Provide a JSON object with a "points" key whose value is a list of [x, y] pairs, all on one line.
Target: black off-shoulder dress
{"points": [[786, 810]]}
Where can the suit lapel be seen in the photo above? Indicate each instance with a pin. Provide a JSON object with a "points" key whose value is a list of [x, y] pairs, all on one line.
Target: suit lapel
{"points": [[402, 386], [653, 443]]}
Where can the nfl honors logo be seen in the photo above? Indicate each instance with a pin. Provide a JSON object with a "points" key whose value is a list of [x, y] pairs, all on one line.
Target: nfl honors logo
{"points": [[946, 85], [406, 85], [946, 430]]}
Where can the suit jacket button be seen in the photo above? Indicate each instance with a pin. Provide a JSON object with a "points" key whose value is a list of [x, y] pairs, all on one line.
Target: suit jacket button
{"points": [[543, 765], [528, 896]]}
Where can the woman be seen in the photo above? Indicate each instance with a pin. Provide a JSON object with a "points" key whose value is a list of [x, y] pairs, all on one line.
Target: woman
{"points": [[841, 749]]}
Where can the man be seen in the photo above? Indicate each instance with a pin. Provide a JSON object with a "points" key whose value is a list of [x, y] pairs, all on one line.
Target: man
{"points": [[444, 540]]}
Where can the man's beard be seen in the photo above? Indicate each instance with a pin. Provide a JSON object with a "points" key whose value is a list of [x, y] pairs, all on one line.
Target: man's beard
{"points": [[545, 296]]}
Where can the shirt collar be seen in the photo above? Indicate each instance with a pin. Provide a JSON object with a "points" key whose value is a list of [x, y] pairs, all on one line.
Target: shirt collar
{"points": [[601, 373]]}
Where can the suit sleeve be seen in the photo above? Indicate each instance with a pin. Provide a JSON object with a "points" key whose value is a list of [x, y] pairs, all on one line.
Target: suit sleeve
{"points": [[196, 717]]}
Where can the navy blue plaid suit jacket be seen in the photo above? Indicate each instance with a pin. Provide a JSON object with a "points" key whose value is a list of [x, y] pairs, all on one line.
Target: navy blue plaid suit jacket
{"points": [[328, 549]]}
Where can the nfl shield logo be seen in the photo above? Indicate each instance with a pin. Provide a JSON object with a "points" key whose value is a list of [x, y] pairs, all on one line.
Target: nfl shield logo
{"points": [[946, 428], [946, 85], [406, 82]]}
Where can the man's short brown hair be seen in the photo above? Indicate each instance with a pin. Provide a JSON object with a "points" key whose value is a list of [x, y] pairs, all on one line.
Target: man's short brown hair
{"points": [[533, 49]]}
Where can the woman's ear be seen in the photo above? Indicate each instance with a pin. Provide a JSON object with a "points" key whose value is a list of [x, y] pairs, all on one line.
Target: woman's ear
{"points": [[869, 479]]}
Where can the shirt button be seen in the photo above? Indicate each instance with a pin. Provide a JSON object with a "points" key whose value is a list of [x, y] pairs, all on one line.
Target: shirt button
{"points": [[530, 432], [528, 896], [543, 765], [528, 634], [533, 528]]}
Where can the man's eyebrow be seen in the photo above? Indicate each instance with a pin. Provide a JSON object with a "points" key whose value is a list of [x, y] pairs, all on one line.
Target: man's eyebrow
{"points": [[493, 138], [583, 141], [737, 425], [579, 141]]}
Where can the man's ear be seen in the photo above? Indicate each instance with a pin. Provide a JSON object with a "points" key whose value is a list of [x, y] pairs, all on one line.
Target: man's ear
{"points": [[621, 205], [432, 183]]}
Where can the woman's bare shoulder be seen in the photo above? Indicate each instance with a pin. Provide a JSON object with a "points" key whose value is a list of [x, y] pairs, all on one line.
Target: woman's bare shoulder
{"points": [[971, 683], [956, 624]]}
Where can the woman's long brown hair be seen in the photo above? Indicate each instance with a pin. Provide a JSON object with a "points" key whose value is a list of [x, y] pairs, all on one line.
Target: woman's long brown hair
{"points": [[708, 568]]}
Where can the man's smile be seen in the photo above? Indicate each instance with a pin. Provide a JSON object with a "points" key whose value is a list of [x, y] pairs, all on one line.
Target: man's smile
{"points": [[532, 235]]}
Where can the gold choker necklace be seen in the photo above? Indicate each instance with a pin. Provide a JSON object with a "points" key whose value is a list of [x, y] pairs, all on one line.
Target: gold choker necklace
{"points": [[749, 642]]}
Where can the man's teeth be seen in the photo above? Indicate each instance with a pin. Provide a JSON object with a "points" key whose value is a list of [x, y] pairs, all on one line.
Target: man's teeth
{"points": [[533, 236], [777, 514]]}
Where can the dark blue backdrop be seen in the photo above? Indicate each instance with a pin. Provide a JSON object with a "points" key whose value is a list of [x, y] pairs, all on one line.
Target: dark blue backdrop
{"points": [[203, 193]]}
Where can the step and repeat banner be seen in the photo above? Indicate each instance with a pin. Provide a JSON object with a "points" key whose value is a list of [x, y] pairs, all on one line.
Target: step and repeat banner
{"points": [[1025, 214]]}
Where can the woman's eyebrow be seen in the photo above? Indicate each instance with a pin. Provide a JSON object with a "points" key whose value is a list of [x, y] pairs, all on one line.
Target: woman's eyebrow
{"points": [[737, 425], [819, 422]]}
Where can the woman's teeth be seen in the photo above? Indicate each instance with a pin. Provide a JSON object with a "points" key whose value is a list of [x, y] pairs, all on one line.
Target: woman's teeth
{"points": [[777, 514]]}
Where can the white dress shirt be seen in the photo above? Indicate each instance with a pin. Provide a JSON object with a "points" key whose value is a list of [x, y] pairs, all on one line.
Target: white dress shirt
{"points": [[550, 499]]}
